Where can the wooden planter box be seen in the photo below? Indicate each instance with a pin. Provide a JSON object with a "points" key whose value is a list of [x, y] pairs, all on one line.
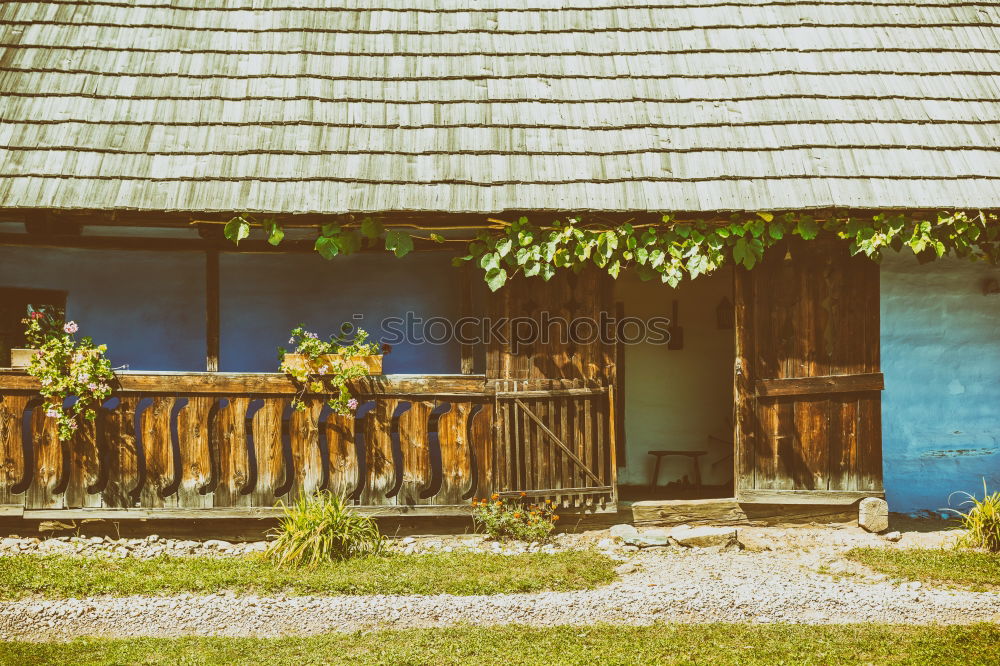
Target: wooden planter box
{"points": [[21, 358], [371, 364]]}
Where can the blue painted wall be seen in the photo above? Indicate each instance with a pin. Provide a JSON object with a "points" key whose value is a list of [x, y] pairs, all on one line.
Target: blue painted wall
{"points": [[265, 296], [148, 307], [941, 359]]}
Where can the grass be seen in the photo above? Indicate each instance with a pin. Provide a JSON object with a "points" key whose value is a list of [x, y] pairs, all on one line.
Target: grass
{"points": [[60, 576], [513, 644], [977, 569]]}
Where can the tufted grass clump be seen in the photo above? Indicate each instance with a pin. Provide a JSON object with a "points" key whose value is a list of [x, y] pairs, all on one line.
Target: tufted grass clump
{"points": [[981, 522], [323, 528]]}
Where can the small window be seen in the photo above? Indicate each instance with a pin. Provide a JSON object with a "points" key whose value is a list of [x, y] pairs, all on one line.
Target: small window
{"points": [[14, 304]]}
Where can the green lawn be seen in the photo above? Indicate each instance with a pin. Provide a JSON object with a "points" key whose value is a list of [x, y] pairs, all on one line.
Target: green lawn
{"points": [[59, 576], [600, 644], [975, 569]]}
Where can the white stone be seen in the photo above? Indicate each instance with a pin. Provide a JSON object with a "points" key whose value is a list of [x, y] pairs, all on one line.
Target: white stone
{"points": [[873, 514], [703, 537], [218, 543], [623, 532], [893, 536]]}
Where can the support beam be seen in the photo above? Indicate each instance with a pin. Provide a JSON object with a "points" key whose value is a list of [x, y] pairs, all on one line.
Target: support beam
{"points": [[212, 310]]}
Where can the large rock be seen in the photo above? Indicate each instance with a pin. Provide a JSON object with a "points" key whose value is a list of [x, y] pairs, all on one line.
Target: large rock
{"points": [[873, 514], [623, 532], [654, 537], [703, 537]]}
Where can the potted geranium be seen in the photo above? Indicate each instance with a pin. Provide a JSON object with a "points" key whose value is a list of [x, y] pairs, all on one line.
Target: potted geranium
{"points": [[65, 367], [327, 366]]}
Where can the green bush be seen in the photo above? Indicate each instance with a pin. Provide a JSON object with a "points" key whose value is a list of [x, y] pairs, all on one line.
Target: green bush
{"points": [[323, 528], [508, 519], [981, 521]]}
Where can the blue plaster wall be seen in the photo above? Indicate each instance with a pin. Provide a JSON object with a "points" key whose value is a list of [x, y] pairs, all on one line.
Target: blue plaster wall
{"points": [[941, 360], [265, 296], [148, 307]]}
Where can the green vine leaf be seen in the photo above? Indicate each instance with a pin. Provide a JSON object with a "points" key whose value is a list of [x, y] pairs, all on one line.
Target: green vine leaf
{"points": [[275, 233], [236, 229], [371, 228], [399, 242], [327, 247]]}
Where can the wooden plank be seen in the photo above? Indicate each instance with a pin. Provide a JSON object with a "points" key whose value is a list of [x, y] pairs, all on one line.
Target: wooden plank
{"points": [[481, 439], [212, 310], [468, 352], [805, 496], [456, 457], [162, 476], [268, 454], [843, 433], [84, 468], [613, 445], [546, 492], [414, 444], [121, 490], [307, 461], [50, 458], [872, 381], [232, 454], [195, 453], [380, 466], [724, 511], [344, 471], [807, 465], [225, 384], [744, 412], [12, 466]]}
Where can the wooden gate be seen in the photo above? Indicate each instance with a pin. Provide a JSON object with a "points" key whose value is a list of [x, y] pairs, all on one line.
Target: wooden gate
{"points": [[555, 440], [808, 404]]}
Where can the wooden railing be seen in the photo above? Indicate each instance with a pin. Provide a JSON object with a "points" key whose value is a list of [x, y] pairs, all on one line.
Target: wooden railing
{"points": [[230, 444]]}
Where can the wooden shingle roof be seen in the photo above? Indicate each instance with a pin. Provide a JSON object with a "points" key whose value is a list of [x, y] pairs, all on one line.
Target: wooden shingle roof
{"points": [[299, 106]]}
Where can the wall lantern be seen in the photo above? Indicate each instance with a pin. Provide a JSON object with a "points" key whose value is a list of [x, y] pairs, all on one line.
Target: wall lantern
{"points": [[724, 315]]}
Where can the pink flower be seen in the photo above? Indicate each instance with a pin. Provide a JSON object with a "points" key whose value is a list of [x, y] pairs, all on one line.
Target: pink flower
{"points": [[72, 425], [52, 413], [352, 404], [71, 327], [92, 386]]}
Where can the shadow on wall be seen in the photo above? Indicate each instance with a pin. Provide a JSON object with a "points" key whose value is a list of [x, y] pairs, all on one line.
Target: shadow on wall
{"points": [[941, 359]]}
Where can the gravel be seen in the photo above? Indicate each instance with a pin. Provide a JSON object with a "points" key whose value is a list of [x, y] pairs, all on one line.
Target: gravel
{"points": [[796, 576]]}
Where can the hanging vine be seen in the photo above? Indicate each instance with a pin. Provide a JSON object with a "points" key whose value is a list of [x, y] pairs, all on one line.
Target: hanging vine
{"points": [[669, 250]]}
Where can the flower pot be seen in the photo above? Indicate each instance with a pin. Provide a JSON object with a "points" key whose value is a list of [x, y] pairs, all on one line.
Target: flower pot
{"points": [[21, 358], [300, 362]]}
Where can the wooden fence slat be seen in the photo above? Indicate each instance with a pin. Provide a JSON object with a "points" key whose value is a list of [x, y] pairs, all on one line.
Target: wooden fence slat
{"points": [[379, 463], [481, 440], [122, 454], [456, 464], [158, 450], [49, 457], [84, 468], [307, 460], [345, 473], [414, 443], [268, 454], [196, 460], [12, 467], [230, 439]]}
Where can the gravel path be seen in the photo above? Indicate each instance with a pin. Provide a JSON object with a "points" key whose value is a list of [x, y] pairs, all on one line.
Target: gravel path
{"points": [[671, 585]]}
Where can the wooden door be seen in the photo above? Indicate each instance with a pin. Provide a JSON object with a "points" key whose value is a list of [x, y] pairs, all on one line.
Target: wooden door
{"points": [[807, 379]]}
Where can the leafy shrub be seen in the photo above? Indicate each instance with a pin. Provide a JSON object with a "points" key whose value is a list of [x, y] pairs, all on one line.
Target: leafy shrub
{"points": [[981, 521], [511, 519], [323, 528]]}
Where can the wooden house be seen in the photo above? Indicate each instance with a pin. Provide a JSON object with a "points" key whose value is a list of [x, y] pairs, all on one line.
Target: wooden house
{"points": [[131, 131]]}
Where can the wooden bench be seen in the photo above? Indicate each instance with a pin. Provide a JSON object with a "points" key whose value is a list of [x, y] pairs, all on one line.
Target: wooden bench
{"points": [[693, 455]]}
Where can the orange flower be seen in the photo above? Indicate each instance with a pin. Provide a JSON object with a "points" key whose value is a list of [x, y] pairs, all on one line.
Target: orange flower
{"points": [[517, 515], [498, 504], [496, 495], [524, 494], [555, 517], [548, 501]]}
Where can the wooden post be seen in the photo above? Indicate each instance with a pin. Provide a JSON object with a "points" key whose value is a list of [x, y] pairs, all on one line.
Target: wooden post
{"points": [[465, 310], [743, 408], [212, 310]]}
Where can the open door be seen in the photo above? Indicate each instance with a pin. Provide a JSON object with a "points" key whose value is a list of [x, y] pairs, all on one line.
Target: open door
{"points": [[808, 403]]}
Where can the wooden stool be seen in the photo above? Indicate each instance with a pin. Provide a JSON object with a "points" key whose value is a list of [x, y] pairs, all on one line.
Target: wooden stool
{"points": [[693, 455]]}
